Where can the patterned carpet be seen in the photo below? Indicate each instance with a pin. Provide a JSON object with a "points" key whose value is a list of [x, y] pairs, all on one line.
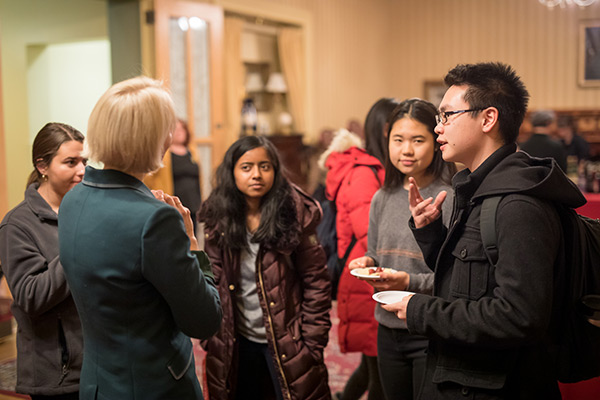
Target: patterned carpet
{"points": [[8, 375], [340, 366]]}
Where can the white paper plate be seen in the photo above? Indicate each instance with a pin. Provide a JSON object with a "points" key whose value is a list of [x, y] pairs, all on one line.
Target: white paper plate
{"points": [[390, 296], [364, 272]]}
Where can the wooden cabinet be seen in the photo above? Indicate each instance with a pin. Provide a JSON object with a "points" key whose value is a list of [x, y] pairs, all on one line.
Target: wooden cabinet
{"points": [[293, 156]]}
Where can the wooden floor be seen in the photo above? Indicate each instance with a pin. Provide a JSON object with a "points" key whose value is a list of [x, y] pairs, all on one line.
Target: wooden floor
{"points": [[7, 396], [8, 347]]}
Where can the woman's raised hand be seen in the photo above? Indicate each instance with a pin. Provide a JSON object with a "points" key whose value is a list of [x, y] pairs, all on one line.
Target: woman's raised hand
{"points": [[185, 214], [424, 211]]}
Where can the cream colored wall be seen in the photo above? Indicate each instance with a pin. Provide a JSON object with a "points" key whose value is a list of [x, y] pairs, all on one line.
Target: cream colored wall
{"points": [[349, 64], [62, 98], [432, 36], [29, 22], [364, 50], [360, 51]]}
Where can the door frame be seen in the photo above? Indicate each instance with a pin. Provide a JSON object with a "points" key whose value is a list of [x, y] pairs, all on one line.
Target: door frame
{"points": [[3, 182], [214, 16]]}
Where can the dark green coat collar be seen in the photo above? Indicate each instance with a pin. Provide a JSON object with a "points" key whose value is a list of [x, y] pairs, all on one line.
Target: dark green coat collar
{"points": [[113, 179]]}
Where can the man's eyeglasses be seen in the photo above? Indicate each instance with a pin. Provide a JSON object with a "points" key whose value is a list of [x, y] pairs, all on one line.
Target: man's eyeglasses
{"points": [[442, 116]]}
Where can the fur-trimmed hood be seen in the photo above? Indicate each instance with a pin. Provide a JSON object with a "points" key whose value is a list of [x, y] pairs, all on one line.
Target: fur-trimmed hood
{"points": [[343, 155], [343, 139]]}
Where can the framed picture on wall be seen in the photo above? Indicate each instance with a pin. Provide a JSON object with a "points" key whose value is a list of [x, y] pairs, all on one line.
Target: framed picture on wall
{"points": [[433, 91], [589, 53]]}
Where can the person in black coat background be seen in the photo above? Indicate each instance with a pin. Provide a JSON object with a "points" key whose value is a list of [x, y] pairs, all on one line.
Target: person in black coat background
{"points": [[541, 143]]}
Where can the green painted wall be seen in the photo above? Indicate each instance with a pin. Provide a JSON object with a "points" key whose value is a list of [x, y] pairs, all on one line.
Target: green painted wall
{"points": [[23, 25]]}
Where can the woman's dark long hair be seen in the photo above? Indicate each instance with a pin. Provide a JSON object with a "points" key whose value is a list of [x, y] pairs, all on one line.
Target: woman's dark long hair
{"points": [[226, 207], [375, 140], [46, 144], [424, 112]]}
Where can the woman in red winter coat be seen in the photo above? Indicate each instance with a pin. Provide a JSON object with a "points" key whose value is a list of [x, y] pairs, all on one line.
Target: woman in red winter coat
{"points": [[354, 175], [271, 275]]}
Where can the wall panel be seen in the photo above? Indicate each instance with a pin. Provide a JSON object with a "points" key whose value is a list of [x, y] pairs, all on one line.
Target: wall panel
{"points": [[541, 44], [351, 61]]}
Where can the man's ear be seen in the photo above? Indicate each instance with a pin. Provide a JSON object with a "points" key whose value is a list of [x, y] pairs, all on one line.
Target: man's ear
{"points": [[490, 119]]}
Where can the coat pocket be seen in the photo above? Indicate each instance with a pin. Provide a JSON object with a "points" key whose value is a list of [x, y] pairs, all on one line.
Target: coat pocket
{"points": [[469, 367], [294, 328], [295, 332], [89, 392], [182, 359], [471, 270]]}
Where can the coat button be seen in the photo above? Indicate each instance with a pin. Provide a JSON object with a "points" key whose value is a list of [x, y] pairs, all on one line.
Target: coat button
{"points": [[463, 253], [283, 356], [231, 287], [206, 235], [272, 304], [465, 391]]}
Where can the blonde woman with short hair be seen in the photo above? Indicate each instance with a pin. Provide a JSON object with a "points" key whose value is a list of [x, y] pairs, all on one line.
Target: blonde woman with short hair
{"points": [[140, 283]]}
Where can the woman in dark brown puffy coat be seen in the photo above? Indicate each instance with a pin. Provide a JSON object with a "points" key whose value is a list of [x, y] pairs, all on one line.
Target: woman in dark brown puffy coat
{"points": [[271, 274]]}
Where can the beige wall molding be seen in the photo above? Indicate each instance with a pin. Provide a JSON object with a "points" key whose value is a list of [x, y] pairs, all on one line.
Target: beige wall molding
{"points": [[3, 166]]}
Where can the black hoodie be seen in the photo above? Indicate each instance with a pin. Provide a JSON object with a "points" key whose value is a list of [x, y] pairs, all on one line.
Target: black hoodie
{"points": [[487, 324]]}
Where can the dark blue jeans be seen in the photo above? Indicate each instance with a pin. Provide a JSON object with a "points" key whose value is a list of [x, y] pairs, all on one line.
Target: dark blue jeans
{"points": [[401, 359], [257, 377]]}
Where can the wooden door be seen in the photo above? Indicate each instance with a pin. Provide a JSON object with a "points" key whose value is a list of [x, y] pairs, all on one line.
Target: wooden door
{"points": [[189, 58]]}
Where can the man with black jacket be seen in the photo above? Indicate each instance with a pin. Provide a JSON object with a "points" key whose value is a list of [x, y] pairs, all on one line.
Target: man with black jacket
{"points": [[489, 325], [541, 143]]}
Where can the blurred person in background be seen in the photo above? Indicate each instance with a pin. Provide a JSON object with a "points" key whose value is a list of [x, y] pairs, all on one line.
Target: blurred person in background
{"points": [[180, 175], [541, 143], [574, 144]]}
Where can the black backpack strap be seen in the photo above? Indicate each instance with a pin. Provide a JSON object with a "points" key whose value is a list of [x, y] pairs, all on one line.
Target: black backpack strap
{"points": [[375, 172], [487, 226], [348, 250]]}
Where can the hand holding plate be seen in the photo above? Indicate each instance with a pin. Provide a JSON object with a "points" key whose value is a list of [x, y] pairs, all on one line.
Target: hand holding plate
{"points": [[398, 308]]}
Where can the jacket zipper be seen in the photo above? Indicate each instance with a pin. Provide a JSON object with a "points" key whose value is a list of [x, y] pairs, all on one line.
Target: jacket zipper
{"points": [[64, 350], [262, 289], [64, 374]]}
